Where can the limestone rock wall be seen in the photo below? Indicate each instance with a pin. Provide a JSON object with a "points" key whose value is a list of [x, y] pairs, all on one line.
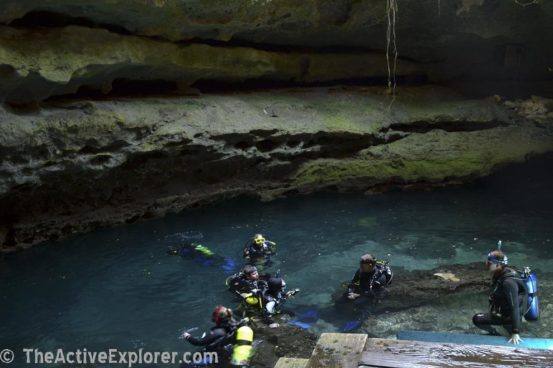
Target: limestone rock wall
{"points": [[80, 165], [56, 47], [115, 111]]}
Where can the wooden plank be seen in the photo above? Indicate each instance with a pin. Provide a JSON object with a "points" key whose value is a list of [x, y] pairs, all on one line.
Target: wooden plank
{"points": [[404, 353], [337, 350], [292, 363]]}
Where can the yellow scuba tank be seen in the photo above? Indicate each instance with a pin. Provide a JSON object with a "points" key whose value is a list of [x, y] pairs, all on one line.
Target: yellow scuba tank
{"points": [[251, 299], [203, 250], [242, 351]]}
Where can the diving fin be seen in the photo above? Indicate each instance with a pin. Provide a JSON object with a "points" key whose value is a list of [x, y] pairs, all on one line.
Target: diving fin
{"points": [[309, 316], [350, 326], [299, 324]]}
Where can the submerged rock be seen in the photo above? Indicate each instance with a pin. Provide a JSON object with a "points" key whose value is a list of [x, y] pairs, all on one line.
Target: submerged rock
{"points": [[431, 307], [285, 340], [410, 289]]}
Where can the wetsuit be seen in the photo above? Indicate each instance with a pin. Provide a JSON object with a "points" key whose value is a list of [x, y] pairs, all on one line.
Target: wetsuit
{"points": [[508, 303], [365, 282], [255, 251], [217, 338], [241, 284], [273, 296], [221, 340]]}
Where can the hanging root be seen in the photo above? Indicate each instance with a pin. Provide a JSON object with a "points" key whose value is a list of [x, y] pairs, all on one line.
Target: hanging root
{"points": [[391, 9]]}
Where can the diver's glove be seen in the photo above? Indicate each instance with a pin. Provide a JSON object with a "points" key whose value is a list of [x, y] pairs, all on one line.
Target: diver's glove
{"points": [[292, 292], [243, 322], [515, 339]]}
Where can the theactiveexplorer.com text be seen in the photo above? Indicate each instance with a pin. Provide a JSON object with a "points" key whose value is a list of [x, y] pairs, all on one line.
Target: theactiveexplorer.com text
{"points": [[116, 357]]}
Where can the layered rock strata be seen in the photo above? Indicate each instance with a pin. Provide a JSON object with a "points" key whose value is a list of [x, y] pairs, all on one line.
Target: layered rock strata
{"points": [[50, 48], [75, 166], [105, 117]]}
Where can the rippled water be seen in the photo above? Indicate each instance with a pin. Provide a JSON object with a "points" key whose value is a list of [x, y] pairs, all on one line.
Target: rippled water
{"points": [[118, 288]]}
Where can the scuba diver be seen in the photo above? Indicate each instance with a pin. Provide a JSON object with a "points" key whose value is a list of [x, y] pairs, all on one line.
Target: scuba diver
{"points": [[247, 281], [190, 249], [259, 294], [274, 297], [231, 339], [203, 255], [370, 279], [260, 249], [508, 298], [268, 300]]}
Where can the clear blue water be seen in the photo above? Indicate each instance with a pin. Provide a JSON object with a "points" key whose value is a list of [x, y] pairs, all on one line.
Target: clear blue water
{"points": [[119, 288]]}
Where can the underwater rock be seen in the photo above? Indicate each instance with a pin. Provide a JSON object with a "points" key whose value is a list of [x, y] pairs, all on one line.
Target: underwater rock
{"points": [[423, 287], [411, 289], [447, 276], [285, 340], [433, 306]]}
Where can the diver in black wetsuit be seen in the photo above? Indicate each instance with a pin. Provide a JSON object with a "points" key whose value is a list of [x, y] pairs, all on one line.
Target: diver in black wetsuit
{"points": [[202, 255], [190, 250], [247, 281], [274, 296], [508, 298], [371, 277], [231, 339]]}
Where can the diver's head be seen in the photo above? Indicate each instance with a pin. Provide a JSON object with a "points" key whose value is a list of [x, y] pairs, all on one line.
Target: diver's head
{"points": [[367, 263], [221, 314], [496, 259], [258, 240], [276, 284], [250, 272]]}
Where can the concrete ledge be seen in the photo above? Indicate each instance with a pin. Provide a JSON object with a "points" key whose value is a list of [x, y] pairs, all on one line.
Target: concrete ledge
{"points": [[337, 350], [292, 363]]}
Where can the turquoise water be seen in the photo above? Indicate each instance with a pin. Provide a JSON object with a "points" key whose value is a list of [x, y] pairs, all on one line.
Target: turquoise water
{"points": [[119, 288]]}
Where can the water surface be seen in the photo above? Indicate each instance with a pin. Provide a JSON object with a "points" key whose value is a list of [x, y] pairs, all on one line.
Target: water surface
{"points": [[119, 288]]}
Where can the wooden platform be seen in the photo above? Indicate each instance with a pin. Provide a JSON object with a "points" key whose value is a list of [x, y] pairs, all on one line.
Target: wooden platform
{"points": [[474, 339], [335, 350], [404, 353]]}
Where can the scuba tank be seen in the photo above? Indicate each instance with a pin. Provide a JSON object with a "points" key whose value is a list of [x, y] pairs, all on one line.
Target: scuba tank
{"points": [[387, 271], [242, 350], [531, 281]]}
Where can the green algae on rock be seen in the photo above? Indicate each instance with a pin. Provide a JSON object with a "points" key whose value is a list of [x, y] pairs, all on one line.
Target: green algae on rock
{"points": [[77, 165]]}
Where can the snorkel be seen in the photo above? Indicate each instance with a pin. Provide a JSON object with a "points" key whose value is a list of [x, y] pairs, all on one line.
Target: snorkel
{"points": [[496, 259]]}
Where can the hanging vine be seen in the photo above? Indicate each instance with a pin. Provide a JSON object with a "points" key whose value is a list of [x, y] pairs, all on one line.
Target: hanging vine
{"points": [[391, 46]]}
